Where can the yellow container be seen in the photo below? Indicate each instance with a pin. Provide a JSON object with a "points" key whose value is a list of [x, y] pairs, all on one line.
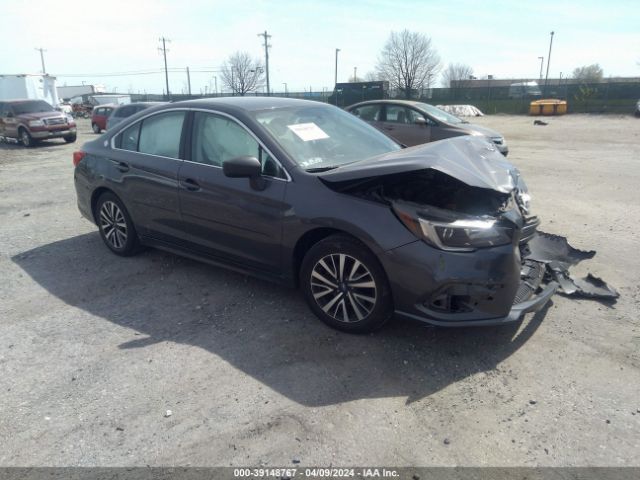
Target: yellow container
{"points": [[548, 106]]}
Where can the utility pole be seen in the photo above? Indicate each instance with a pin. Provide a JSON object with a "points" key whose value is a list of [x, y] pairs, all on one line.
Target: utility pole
{"points": [[215, 81], [546, 78], [164, 53], [42, 50], [541, 64], [336, 76], [189, 80], [355, 75], [266, 55], [285, 88]]}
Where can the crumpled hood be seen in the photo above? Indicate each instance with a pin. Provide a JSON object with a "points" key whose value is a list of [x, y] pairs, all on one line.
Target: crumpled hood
{"points": [[472, 160]]}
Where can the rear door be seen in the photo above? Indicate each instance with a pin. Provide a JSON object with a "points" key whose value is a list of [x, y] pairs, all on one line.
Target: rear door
{"points": [[400, 124], [145, 164], [231, 218]]}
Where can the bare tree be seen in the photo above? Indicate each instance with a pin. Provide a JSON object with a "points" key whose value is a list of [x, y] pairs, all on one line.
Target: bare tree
{"points": [[408, 61], [588, 73], [371, 76], [457, 75], [242, 74]]}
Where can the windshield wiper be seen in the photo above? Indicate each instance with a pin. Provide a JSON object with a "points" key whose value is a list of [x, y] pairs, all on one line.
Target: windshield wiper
{"points": [[321, 169]]}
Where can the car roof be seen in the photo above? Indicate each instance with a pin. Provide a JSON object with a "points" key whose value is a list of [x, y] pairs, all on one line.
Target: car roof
{"points": [[247, 104], [411, 103]]}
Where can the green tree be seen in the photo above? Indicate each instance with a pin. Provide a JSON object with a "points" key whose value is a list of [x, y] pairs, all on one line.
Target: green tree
{"points": [[588, 73]]}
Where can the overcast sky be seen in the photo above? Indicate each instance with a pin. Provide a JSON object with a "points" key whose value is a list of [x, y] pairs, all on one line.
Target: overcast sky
{"points": [[502, 38]]}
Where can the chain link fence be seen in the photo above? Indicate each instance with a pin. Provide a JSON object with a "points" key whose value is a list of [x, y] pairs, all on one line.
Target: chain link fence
{"points": [[603, 97]]}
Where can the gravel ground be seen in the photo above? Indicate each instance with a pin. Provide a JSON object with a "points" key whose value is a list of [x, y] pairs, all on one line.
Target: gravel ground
{"points": [[96, 349]]}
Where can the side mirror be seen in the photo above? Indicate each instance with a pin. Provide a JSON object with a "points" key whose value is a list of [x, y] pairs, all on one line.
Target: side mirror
{"points": [[241, 167], [245, 167], [420, 121]]}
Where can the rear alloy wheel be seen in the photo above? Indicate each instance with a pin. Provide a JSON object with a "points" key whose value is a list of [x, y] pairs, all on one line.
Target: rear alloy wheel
{"points": [[25, 138], [116, 227], [345, 285], [96, 128]]}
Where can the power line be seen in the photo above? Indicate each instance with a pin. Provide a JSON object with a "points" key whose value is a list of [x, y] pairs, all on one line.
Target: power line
{"points": [[266, 55]]}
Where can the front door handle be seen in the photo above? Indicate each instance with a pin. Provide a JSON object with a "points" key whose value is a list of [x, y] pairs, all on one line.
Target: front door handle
{"points": [[190, 184]]}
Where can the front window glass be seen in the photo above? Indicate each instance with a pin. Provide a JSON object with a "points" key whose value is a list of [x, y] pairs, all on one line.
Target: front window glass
{"points": [[439, 114], [318, 137], [36, 106], [216, 139], [160, 134], [400, 114]]}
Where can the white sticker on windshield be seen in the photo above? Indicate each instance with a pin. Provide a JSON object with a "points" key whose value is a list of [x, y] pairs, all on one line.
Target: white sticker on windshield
{"points": [[308, 131]]}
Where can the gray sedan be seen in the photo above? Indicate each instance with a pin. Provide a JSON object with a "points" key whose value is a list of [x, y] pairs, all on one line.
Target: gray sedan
{"points": [[414, 123]]}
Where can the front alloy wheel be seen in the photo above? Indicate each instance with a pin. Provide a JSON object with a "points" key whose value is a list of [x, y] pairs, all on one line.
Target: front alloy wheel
{"points": [[345, 285]]}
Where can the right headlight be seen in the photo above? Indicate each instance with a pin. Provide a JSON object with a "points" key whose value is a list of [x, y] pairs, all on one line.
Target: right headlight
{"points": [[458, 235]]}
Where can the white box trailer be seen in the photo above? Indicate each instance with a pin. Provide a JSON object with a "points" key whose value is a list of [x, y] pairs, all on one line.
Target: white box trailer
{"points": [[29, 86], [69, 91]]}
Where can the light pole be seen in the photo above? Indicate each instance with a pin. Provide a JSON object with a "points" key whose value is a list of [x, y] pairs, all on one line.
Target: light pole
{"points": [[215, 83], [546, 78], [355, 74], [42, 50], [285, 88], [541, 64], [336, 76]]}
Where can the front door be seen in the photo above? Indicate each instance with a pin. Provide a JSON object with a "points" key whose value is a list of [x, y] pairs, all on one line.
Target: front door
{"points": [[400, 124], [234, 219]]}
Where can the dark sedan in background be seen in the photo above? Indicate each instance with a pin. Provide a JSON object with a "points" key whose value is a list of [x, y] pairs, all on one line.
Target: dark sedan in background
{"points": [[414, 123], [126, 110], [306, 194]]}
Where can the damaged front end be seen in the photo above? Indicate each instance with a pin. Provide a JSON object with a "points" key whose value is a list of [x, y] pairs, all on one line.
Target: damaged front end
{"points": [[481, 259]]}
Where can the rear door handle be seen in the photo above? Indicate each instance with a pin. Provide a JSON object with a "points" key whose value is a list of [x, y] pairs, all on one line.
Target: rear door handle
{"points": [[190, 184], [122, 166]]}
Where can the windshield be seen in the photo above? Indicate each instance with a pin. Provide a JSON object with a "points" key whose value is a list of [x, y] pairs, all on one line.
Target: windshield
{"points": [[439, 114], [318, 137], [37, 106]]}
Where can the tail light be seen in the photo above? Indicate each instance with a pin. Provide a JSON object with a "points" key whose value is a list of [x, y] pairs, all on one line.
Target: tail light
{"points": [[77, 157]]}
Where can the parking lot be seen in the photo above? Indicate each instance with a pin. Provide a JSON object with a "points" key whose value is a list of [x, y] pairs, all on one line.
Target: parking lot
{"points": [[159, 360]]}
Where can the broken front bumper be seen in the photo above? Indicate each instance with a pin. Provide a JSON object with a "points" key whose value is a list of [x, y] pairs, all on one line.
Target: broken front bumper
{"points": [[486, 287]]}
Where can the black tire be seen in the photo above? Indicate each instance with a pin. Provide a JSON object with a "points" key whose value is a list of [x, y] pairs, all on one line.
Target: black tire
{"points": [[352, 309], [96, 128], [121, 238], [70, 138], [25, 137]]}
